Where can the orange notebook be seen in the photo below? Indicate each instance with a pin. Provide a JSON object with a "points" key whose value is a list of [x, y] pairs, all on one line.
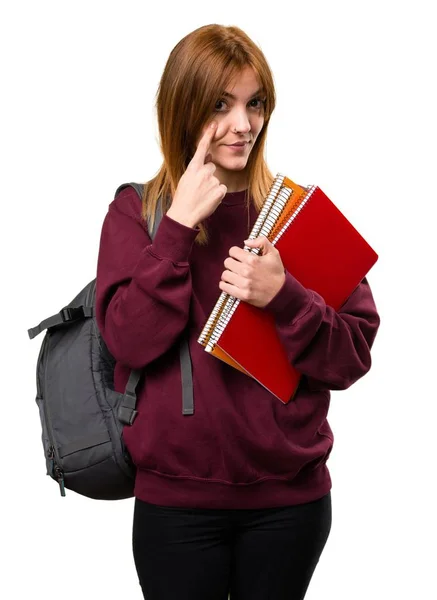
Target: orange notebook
{"points": [[319, 247]]}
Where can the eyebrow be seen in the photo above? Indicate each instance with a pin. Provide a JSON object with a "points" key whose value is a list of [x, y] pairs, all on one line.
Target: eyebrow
{"points": [[228, 95]]}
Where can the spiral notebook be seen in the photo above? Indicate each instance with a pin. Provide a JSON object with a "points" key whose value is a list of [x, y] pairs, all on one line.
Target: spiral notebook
{"points": [[318, 246]]}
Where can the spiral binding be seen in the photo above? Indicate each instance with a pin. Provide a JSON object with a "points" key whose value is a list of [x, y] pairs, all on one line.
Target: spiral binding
{"points": [[302, 204]]}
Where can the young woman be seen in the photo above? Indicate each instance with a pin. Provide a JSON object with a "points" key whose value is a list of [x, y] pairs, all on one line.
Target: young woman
{"points": [[234, 498]]}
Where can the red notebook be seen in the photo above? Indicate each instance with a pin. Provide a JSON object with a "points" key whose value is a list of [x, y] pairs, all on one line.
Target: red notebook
{"points": [[319, 247]]}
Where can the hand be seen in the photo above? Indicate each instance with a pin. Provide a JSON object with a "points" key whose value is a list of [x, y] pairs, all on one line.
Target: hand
{"points": [[256, 279], [198, 193]]}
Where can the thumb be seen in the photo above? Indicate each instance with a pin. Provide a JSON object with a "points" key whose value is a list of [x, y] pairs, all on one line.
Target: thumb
{"points": [[259, 242]]}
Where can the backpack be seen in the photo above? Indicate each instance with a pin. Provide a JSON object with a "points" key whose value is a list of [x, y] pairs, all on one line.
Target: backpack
{"points": [[82, 416]]}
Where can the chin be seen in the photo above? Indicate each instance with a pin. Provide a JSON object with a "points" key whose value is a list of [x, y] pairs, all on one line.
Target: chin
{"points": [[231, 165]]}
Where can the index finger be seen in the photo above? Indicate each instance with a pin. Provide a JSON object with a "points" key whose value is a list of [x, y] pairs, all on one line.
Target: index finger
{"points": [[204, 144]]}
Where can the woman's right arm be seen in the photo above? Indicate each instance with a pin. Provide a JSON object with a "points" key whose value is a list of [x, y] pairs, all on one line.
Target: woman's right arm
{"points": [[143, 289]]}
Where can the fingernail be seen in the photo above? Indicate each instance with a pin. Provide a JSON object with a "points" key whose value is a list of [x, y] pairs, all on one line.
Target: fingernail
{"points": [[213, 124]]}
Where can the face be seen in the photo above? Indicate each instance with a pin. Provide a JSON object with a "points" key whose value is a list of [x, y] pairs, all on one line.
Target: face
{"points": [[240, 116]]}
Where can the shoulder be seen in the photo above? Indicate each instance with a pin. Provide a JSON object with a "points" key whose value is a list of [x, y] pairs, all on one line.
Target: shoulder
{"points": [[128, 203]]}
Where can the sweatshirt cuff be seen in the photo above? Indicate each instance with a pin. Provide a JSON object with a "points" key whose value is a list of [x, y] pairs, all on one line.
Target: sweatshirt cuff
{"points": [[173, 240], [291, 302]]}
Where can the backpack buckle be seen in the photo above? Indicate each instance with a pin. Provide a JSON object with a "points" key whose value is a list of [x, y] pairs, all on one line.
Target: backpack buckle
{"points": [[126, 415], [71, 314]]}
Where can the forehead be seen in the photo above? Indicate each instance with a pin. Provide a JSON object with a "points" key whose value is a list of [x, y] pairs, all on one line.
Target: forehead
{"points": [[245, 84]]}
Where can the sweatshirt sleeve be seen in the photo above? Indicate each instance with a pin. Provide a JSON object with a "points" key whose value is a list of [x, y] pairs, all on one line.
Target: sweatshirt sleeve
{"points": [[143, 289], [332, 348]]}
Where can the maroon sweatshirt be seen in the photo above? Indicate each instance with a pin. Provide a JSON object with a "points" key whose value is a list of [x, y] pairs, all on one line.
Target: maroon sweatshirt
{"points": [[242, 447]]}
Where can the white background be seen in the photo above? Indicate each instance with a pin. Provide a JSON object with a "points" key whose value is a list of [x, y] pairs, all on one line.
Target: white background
{"points": [[356, 114]]}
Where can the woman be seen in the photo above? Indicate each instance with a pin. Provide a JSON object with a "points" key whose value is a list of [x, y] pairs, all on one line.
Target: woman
{"points": [[234, 498]]}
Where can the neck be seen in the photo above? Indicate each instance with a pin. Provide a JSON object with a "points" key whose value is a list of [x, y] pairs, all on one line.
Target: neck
{"points": [[235, 181]]}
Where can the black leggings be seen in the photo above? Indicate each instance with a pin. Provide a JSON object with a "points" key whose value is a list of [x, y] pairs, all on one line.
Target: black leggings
{"points": [[251, 554]]}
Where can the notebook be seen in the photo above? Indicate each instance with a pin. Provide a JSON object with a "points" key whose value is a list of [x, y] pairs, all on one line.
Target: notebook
{"points": [[318, 246]]}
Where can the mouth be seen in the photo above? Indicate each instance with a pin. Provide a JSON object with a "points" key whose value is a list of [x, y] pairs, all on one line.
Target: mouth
{"points": [[238, 145]]}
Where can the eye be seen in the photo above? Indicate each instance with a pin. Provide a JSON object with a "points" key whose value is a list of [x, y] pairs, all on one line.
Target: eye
{"points": [[217, 103], [261, 102]]}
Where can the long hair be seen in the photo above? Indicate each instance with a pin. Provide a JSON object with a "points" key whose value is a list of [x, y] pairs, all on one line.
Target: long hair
{"points": [[195, 76]]}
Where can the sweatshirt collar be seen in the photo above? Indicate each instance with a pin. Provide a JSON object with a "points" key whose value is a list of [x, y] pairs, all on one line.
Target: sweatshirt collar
{"points": [[232, 198]]}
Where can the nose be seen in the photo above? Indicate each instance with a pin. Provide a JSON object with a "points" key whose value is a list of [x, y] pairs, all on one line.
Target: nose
{"points": [[240, 121]]}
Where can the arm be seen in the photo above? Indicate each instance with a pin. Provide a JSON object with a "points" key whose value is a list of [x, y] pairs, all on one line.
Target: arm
{"points": [[143, 289], [332, 348]]}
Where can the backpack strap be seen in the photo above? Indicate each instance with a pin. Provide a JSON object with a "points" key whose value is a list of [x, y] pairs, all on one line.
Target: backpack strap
{"points": [[66, 315], [139, 188], [127, 408]]}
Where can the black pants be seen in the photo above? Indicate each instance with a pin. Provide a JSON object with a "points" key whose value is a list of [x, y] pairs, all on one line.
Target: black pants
{"points": [[205, 554]]}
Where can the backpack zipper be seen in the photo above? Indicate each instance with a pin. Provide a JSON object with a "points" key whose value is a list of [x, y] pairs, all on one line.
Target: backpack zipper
{"points": [[56, 470]]}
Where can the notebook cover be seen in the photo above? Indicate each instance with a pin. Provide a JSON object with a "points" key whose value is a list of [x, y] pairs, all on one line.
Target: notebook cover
{"points": [[326, 254]]}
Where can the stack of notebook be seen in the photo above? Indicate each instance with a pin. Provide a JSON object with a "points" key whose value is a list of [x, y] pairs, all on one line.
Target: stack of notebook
{"points": [[319, 247]]}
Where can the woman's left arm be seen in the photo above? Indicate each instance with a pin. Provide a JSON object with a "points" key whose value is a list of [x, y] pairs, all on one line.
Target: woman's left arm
{"points": [[331, 347]]}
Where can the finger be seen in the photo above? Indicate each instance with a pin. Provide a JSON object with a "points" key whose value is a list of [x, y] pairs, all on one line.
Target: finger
{"points": [[209, 167], [241, 255], [233, 265], [223, 188], [204, 144], [231, 278], [260, 242]]}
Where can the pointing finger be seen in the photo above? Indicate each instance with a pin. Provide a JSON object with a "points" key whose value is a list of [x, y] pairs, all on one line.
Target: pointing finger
{"points": [[200, 155]]}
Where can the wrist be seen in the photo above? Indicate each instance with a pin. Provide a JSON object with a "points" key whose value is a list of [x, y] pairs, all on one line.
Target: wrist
{"points": [[182, 219]]}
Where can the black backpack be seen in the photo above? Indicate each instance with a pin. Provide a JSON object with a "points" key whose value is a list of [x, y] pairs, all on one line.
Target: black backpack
{"points": [[82, 416]]}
